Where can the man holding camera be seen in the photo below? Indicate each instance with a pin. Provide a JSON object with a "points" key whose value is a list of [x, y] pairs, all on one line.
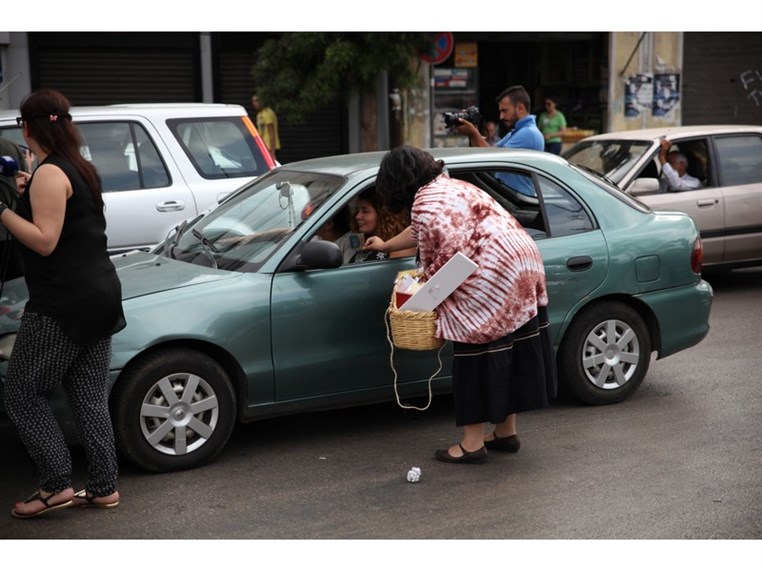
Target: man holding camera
{"points": [[514, 105]]}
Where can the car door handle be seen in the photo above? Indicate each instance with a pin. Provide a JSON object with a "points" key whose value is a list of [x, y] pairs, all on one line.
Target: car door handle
{"points": [[707, 202], [170, 206], [579, 263]]}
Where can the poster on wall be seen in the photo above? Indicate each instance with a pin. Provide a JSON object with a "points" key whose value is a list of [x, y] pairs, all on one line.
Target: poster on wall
{"points": [[638, 94], [666, 93]]}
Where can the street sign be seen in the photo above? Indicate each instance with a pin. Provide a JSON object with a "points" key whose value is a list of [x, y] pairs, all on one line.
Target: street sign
{"points": [[441, 48]]}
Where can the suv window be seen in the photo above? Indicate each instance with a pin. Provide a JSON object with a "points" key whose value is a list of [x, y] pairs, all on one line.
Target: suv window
{"points": [[740, 159], [124, 154], [219, 147]]}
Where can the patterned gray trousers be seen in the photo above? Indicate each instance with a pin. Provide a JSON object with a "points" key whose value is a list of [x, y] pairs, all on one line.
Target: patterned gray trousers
{"points": [[44, 356]]}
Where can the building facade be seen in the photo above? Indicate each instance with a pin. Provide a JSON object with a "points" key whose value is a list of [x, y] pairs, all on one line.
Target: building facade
{"points": [[603, 81]]}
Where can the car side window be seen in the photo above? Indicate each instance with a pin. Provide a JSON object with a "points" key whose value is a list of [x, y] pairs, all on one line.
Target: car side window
{"points": [[124, 155], [740, 159], [219, 147], [523, 207], [565, 214]]}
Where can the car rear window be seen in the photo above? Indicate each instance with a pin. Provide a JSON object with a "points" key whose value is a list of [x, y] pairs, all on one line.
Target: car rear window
{"points": [[219, 147]]}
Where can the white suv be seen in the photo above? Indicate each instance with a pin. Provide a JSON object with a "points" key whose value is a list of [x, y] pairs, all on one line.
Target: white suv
{"points": [[162, 163]]}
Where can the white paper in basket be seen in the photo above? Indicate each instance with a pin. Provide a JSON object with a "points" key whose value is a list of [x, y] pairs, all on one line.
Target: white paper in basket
{"points": [[441, 285]]}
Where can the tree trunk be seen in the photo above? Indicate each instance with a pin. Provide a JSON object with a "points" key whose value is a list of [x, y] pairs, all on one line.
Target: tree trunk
{"points": [[368, 122]]}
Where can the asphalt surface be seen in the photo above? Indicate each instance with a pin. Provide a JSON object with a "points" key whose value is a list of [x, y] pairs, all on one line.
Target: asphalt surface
{"points": [[680, 460]]}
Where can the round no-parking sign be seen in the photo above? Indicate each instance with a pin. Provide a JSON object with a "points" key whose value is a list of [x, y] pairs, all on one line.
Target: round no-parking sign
{"points": [[440, 50]]}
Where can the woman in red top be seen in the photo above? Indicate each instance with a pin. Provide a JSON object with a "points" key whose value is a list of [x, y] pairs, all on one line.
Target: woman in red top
{"points": [[497, 319]]}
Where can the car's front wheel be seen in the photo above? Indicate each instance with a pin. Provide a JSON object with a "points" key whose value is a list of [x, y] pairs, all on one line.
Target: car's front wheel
{"points": [[605, 354], [172, 410]]}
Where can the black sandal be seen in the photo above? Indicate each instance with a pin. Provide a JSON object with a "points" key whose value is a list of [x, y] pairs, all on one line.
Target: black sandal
{"points": [[44, 500]]}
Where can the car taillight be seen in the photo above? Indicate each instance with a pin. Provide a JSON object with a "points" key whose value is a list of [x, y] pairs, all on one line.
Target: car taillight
{"points": [[697, 256]]}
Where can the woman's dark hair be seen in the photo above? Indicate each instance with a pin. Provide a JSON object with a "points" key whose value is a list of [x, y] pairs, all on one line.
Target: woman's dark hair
{"points": [[403, 171], [46, 114]]}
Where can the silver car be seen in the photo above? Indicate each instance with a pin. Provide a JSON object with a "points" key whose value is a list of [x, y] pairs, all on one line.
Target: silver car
{"points": [[727, 160], [162, 163]]}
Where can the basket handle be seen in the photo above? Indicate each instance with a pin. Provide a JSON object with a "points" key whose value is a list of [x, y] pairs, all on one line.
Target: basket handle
{"points": [[391, 363]]}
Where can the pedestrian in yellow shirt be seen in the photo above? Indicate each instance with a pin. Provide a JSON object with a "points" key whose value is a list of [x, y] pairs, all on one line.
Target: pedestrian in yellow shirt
{"points": [[267, 124]]}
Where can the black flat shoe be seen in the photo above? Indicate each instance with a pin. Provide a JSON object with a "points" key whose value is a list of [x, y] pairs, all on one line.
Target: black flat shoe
{"points": [[509, 444], [477, 457]]}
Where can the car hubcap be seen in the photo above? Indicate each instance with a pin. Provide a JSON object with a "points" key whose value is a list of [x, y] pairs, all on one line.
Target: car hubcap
{"points": [[179, 414], [610, 354]]}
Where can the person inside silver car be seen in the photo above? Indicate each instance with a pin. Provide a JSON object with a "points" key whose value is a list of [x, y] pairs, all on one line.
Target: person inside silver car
{"points": [[674, 171]]}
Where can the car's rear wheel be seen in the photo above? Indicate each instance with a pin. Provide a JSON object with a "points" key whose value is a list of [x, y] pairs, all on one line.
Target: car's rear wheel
{"points": [[605, 354], [173, 410]]}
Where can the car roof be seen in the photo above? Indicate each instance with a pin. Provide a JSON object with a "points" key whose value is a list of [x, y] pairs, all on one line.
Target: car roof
{"points": [[655, 133], [163, 110], [353, 163]]}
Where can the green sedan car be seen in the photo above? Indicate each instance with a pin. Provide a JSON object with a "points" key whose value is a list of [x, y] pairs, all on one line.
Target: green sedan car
{"points": [[243, 313]]}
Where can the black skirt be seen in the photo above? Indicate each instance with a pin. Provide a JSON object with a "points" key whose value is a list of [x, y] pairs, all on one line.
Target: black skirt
{"points": [[512, 374]]}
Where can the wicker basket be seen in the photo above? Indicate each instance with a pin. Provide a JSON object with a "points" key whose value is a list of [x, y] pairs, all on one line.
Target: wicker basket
{"points": [[413, 330]]}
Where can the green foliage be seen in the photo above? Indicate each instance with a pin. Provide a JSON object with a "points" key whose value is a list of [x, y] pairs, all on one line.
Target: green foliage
{"points": [[299, 72]]}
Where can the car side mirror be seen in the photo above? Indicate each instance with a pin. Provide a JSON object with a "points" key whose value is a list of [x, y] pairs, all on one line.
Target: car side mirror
{"points": [[644, 186], [313, 255]]}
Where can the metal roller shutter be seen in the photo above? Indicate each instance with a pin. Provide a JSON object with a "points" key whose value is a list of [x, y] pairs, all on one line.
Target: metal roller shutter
{"points": [[722, 78], [324, 133], [106, 76]]}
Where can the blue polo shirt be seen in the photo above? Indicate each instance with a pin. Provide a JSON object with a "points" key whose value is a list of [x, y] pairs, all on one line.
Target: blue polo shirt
{"points": [[525, 135]]}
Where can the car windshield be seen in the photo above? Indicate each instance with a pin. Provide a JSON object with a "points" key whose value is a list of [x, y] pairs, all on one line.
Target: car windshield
{"points": [[610, 188], [242, 232], [612, 158]]}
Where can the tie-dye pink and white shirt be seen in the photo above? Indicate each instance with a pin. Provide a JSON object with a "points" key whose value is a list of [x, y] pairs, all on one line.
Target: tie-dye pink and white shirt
{"points": [[450, 216]]}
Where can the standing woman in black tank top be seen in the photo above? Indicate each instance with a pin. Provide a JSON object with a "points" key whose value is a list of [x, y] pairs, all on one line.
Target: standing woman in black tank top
{"points": [[73, 309]]}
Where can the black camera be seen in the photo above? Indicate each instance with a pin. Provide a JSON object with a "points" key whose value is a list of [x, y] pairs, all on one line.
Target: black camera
{"points": [[471, 115]]}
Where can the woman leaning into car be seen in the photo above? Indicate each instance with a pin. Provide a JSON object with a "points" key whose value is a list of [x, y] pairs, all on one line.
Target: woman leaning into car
{"points": [[73, 309], [497, 319]]}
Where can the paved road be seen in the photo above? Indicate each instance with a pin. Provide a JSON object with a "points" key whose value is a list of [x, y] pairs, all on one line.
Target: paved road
{"points": [[681, 459]]}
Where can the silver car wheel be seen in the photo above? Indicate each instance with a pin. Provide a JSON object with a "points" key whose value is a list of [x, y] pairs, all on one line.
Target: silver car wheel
{"points": [[179, 414], [611, 354]]}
